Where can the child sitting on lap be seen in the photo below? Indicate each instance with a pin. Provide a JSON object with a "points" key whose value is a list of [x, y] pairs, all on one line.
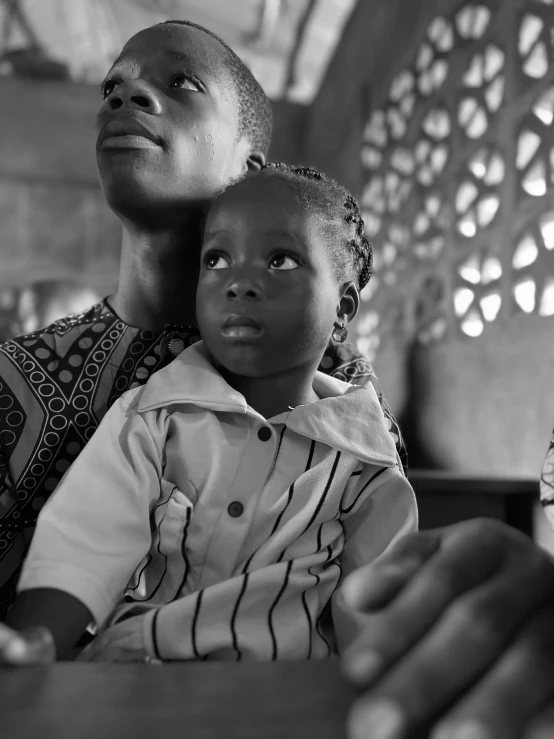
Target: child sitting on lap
{"points": [[217, 508]]}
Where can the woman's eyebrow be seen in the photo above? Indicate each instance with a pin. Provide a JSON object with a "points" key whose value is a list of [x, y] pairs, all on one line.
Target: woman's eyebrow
{"points": [[184, 57], [171, 53]]}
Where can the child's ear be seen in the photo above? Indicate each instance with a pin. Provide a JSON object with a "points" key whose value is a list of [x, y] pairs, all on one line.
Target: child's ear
{"points": [[255, 161], [349, 303]]}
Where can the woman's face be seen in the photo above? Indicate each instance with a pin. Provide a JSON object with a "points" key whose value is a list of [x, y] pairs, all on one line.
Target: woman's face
{"points": [[168, 125]]}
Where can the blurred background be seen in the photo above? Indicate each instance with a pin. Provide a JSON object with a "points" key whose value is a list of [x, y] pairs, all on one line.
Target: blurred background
{"points": [[437, 114]]}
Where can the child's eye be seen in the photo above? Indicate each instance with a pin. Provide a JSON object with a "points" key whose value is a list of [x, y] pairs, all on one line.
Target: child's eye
{"points": [[215, 261], [185, 81], [283, 261], [108, 86]]}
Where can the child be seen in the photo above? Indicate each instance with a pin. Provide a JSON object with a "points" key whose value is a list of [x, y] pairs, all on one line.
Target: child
{"points": [[216, 509]]}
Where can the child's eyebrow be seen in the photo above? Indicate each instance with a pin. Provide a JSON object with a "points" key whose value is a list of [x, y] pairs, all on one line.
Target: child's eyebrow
{"points": [[285, 233], [215, 234]]}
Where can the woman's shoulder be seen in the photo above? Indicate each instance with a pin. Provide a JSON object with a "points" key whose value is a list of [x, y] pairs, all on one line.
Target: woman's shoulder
{"points": [[346, 363]]}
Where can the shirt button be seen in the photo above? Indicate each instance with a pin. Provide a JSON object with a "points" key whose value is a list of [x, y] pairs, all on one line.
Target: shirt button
{"points": [[264, 434], [235, 509]]}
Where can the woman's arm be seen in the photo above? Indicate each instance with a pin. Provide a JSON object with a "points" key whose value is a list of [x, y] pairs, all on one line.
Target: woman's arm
{"points": [[459, 631]]}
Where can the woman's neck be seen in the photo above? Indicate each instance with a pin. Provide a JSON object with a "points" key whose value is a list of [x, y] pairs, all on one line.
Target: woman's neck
{"points": [[273, 395], [157, 279]]}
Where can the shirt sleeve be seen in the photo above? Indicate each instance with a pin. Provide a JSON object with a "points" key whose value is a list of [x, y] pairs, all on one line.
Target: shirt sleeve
{"points": [[383, 510], [94, 530]]}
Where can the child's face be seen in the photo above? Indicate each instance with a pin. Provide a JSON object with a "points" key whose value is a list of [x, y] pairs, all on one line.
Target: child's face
{"points": [[171, 81], [267, 294]]}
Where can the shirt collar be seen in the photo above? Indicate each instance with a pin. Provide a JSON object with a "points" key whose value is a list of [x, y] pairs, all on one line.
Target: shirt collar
{"points": [[191, 378], [348, 418]]}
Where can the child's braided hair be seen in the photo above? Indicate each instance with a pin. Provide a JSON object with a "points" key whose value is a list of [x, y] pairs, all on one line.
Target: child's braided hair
{"points": [[338, 205]]}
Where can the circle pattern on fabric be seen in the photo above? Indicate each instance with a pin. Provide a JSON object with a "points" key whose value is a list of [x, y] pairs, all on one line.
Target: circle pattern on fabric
{"points": [[235, 509]]}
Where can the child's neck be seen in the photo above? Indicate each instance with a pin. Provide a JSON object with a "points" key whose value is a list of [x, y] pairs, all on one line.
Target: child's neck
{"points": [[270, 396]]}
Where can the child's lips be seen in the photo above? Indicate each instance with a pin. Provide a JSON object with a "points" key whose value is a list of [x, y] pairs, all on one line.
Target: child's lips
{"points": [[241, 327]]}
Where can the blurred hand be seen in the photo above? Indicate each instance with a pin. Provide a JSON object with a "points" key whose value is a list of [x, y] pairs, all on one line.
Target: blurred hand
{"points": [[24, 648], [459, 642]]}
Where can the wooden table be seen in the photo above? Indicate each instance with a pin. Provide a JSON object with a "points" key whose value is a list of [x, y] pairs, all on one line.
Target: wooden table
{"points": [[445, 498], [285, 700]]}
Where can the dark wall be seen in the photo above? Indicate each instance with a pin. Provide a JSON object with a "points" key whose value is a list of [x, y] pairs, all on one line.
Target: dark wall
{"points": [[375, 40], [482, 405]]}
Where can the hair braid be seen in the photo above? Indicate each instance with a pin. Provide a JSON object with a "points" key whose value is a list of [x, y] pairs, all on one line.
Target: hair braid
{"points": [[328, 192]]}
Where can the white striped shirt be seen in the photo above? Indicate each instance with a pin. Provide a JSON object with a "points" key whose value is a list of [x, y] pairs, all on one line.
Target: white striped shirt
{"points": [[192, 527]]}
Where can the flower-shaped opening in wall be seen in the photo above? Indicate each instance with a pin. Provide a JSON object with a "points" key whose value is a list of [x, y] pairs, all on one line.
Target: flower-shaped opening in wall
{"points": [[401, 103], [477, 298], [432, 150], [535, 147], [533, 267], [429, 226], [389, 258], [472, 21], [398, 180], [367, 329], [478, 198], [373, 205], [430, 310], [484, 91], [534, 42], [375, 140], [431, 62]]}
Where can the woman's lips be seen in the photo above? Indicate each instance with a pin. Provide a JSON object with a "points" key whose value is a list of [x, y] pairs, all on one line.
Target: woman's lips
{"points": [[128, 142]]}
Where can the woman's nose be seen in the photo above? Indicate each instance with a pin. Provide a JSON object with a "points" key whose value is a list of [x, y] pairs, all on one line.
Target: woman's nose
{"points": [[135, 95]]}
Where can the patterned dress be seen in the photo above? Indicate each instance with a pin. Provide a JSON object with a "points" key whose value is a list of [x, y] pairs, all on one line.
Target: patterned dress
{"points": [[55, 387], [547, 482]]}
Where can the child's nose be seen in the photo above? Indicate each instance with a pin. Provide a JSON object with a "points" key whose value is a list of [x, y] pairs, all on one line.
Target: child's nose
{"points": [[135, 95], [243, 289]]}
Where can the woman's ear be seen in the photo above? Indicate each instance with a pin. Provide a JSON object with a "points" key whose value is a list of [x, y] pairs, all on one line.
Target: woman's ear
{"points": [[349, 303]]}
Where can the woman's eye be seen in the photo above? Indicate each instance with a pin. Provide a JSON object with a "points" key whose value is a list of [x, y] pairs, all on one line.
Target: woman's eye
{"points": [[215, 261], [283, 261], [183, 81], [108, 86]]}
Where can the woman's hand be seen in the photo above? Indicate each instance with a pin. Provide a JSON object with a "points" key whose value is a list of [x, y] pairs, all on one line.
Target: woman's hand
{"points": [[24, 648], [459, 636]]}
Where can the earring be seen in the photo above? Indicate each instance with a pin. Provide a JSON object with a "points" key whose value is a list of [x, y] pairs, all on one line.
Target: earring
{"points": [[339, 334]]}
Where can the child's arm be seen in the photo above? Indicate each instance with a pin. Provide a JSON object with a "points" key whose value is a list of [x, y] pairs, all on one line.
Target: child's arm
{"points": [[379, 511], [64, 617], [93, 531]]}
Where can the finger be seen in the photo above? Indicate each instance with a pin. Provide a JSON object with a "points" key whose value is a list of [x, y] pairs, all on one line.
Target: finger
{"points": [[452, 656], [513, 689], [542, 725], [375, 585], [7, 635], [464, 560], [29, 647]]}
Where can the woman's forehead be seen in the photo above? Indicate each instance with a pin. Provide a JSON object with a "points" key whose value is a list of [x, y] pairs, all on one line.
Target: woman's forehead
{"points": [[176, 42]]}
